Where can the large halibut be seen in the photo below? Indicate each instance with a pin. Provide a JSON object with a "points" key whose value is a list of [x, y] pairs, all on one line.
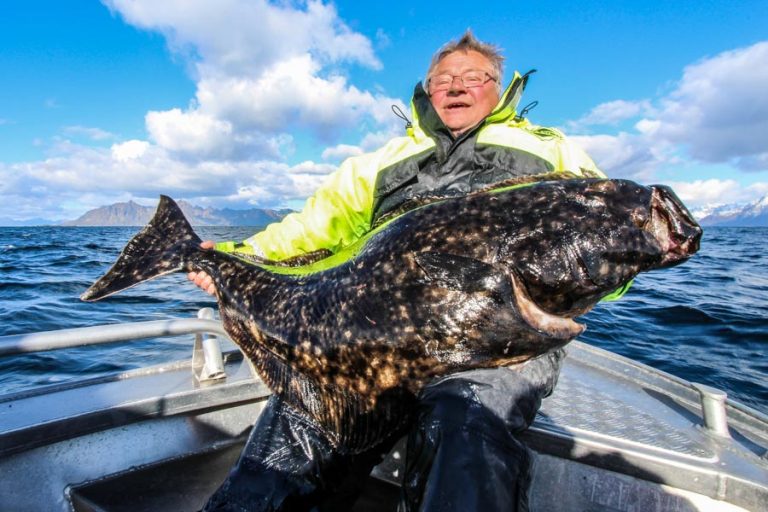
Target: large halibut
{"points": [[478, 281]]}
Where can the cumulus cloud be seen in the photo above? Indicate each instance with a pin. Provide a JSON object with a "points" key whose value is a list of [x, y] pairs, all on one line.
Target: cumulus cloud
{"points": [[268, 75], [238, 36], [623, 155], [290, 94], [341, 151], [710, 191], [610, 113], [262, 70], [92, 177], [309, 167], [720, 109], [716, 113], [129, 150]]}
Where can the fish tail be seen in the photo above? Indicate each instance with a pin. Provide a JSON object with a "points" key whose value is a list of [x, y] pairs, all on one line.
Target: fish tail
{"points": [[165, 245]]}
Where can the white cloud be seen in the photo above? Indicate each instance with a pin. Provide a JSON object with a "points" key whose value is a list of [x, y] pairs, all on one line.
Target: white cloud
{"points": [[717, 113], [610, 113], [376, 139], [623, 155], [341, 151], [710, 191], [758, 190], [719, 110], [311, 168], [262, 71], [129, 150], [136, 169], [290, 94], [235, 37], [188, 132], [702, 193], [266, 74], [89, 132]]}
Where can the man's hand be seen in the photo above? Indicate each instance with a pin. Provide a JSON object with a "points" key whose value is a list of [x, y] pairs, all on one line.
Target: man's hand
{"points": [[201, 279]]}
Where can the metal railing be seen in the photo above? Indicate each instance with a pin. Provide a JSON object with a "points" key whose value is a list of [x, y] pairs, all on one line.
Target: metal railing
{"points": [[207, 359]]}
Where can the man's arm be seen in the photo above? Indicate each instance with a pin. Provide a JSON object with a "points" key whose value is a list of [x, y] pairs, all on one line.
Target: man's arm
{"points": [[576, 159], [335, 216]]}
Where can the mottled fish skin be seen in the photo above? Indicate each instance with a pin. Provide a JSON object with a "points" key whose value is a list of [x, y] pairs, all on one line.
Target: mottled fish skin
{"points": [[479, 281]]}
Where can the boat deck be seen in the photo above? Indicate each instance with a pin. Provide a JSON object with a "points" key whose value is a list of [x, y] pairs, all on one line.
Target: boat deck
{"points": [[616, 435]]}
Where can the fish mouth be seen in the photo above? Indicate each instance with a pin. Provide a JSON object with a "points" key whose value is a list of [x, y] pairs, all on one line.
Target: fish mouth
{"points": [[674, 227]]}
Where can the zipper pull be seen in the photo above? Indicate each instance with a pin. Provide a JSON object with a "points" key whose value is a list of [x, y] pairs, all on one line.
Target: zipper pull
{"points": [[399, 113], [519, 117]]}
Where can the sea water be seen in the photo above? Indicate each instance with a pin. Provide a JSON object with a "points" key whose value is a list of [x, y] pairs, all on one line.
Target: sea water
{"points": [[705, 320]]}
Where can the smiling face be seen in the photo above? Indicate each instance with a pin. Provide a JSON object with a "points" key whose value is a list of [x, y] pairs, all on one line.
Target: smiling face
{"points": [[462, 107]]}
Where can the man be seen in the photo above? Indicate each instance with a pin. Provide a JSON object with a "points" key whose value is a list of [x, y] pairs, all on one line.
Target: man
{"points": [[462, 451]]}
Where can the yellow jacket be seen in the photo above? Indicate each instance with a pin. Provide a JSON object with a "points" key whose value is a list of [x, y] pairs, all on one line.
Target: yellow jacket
{"points": [[364, 187]]}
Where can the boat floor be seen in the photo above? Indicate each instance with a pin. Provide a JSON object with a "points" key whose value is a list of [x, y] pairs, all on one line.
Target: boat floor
{"points": [[186, 484]]}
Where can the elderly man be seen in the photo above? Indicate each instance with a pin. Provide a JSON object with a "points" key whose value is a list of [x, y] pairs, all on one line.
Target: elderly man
{"points": [[462, 451]]}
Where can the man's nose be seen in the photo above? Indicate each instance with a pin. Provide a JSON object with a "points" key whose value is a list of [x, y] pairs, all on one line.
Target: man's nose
{"points": [[457, 84]]}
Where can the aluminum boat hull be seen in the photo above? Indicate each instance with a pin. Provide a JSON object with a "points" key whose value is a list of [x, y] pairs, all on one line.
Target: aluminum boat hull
{"points": [[616, 435]]}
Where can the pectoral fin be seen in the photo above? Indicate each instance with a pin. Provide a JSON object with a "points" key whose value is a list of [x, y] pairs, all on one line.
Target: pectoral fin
{"points": [[553, 326], [473, 276]]}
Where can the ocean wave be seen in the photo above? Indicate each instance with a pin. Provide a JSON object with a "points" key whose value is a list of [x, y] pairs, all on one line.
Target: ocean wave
{"points": [[705, 321]]}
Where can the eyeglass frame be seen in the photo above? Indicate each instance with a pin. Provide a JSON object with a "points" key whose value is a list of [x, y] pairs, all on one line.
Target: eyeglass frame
{"points": [[461, 77]]}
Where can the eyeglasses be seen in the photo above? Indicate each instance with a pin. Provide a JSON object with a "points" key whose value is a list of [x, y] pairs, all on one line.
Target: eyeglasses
{"points": [[471, 78]]}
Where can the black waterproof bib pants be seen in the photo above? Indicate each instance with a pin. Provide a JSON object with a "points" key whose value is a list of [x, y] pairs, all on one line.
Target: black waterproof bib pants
{"points": [[462, 451]]}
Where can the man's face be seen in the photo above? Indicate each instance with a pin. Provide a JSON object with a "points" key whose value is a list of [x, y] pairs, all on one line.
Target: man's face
{"points": [[462, 107]]}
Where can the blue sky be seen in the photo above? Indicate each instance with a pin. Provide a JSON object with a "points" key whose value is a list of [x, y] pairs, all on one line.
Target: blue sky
{"points": [[240, 103]]}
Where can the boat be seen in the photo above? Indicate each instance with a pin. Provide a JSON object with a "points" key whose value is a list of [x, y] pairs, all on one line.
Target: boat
{"points": [[616, 435]]}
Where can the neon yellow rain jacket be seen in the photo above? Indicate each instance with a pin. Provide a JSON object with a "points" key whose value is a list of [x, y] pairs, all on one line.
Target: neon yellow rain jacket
{"points": [[428, 159]]}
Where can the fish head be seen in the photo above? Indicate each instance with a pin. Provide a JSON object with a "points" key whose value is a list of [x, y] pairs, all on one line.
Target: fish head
{"points": [[597, 236], [673, 226], [646, 225]]}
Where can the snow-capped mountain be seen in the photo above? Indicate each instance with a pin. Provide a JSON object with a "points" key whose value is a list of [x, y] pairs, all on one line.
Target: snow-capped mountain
{"points": [[743, 215]]}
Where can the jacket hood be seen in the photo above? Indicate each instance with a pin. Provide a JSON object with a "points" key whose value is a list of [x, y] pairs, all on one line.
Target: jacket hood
{"points": [[426, 122]]}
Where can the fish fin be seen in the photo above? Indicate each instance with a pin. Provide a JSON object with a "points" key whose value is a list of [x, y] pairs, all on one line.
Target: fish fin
{"points": [[554, 326], [303, 259], [458, 272], [472, 276], [162, 247]]}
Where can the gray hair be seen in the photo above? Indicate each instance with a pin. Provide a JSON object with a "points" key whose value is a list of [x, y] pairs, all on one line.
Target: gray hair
{"points": [[468, 42]]}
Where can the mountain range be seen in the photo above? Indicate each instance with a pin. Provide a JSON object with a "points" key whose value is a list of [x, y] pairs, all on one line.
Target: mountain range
{"points": [[754, 214], [134, 214]]}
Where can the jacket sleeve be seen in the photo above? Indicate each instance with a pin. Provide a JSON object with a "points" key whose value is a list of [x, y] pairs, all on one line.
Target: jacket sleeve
{"points": [[576, 160], [337, 214]]}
